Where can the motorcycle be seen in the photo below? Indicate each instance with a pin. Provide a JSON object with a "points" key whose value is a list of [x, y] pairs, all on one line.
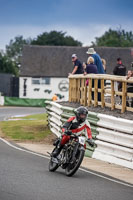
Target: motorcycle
{"points": [[71, 155]]}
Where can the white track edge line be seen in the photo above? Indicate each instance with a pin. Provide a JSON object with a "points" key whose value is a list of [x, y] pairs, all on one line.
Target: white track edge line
{"points": [[84, 170], [18, 148], [110, 179]]}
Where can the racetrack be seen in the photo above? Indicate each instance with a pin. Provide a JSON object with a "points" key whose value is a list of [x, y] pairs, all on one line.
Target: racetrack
{"points": [[6, 112], [25, 176]]}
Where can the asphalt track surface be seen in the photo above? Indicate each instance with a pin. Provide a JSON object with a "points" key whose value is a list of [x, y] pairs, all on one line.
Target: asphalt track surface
{"points": [[25, 176], [7, 112]]}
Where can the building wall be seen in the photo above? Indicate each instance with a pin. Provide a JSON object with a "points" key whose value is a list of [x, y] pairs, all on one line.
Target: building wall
{"points": [[55, 61], [44, 90], [5, 84]]}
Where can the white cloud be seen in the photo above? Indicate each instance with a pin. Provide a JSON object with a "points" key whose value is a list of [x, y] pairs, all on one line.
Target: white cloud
{"points": [[84, 33]]}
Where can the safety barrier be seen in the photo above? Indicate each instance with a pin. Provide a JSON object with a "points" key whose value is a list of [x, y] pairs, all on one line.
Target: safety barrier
{"points": [[113, 136]]}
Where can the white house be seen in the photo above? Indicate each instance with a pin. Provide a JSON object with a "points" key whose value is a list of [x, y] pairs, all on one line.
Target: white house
{"points": [[43, 87], [43, 73]]}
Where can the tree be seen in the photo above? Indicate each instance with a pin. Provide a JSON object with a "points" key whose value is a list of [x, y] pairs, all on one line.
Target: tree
{"points": [[13, 54], [115, 38], [10, 62], [55, 38], [14, 49], [7, 65]]}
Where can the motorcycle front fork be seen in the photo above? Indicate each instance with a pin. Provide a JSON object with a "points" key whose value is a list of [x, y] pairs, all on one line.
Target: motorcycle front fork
{"points": [[75, 151]]}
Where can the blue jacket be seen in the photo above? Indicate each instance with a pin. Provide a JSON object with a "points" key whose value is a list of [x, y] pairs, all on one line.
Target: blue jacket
{"points": [[98, 63], [91, 69]]}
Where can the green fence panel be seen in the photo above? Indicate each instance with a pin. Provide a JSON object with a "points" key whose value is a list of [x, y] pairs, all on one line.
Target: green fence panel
{"points": [[15, 101]]}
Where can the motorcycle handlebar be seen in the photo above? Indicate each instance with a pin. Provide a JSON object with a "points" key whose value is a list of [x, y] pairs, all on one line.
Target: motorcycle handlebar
{"points": [[71, 134]]}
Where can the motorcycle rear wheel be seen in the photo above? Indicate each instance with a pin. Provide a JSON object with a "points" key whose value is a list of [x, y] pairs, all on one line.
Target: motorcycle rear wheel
{"points": [[71, 171]]}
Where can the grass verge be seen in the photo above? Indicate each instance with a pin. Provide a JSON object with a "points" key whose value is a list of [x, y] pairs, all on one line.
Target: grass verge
{"points": [[30, 128]]}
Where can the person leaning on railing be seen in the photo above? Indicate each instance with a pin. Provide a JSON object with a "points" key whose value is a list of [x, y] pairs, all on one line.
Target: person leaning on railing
{"points": [[78, 68]]}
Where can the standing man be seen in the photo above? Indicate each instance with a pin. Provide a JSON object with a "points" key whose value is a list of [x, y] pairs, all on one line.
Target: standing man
{"points": [[97, 60], [78, 68], [119, 70]]}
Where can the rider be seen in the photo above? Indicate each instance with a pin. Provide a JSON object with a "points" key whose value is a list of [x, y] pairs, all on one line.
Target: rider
{"points": [[77, 124]]}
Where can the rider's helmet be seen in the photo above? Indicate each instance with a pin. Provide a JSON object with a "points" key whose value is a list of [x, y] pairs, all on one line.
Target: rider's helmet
{"points": [[81, 114]]}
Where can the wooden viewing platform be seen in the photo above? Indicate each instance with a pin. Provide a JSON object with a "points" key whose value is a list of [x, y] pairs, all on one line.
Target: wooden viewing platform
{"points": [[82, 93]]}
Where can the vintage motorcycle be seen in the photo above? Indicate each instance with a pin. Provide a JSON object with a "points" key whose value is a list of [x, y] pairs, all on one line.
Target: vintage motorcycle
{"points": [[71, 155]]}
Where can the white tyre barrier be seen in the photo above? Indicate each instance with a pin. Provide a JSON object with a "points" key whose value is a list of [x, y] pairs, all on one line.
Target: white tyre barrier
{"points": [[113, 136]]}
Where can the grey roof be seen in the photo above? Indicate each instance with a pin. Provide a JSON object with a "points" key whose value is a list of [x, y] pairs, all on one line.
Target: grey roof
{"points": [[55, 61]]}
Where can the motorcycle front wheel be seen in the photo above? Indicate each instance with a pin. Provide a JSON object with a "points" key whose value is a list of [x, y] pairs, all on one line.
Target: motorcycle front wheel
{"points": [[72, 168], [52, 165]]}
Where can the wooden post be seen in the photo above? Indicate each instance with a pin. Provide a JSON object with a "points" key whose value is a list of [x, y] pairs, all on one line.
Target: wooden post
{"points": [[90, 92], [78, 90], [102, 94], [70, 90], [74, 91], [124, 95], [83, 99], [85, 93], [95, 92], [112, 96]]}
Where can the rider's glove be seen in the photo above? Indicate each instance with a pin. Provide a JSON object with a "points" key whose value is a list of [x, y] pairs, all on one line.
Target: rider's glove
{"points": [[90, 142], [68, 132]]}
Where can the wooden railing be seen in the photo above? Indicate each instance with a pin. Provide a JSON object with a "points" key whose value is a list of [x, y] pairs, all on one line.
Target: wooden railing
{"points": [[89, 94]]}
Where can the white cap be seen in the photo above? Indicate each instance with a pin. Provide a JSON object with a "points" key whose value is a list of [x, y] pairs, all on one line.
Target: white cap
{"points": [[74, 55]]}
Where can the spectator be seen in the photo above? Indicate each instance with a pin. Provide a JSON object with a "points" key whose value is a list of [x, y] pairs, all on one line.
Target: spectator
{"points": [[97, 60], [78, 68], [91, 68], [130, 72], [104, 64], [119, 70], [54, 98], [130, 85]]}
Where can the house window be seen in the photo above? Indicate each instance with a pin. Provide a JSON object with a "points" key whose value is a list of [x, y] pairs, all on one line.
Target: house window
{"points": [[36, 81], [41, 81], [45, 81]]}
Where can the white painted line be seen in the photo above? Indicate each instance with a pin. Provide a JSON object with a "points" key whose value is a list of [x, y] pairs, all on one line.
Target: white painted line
{"points": [[84, 170], [110, 179], [27, 151]]}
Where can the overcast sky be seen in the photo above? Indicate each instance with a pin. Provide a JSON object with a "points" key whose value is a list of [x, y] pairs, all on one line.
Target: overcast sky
{"points": [[82, 19]]}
